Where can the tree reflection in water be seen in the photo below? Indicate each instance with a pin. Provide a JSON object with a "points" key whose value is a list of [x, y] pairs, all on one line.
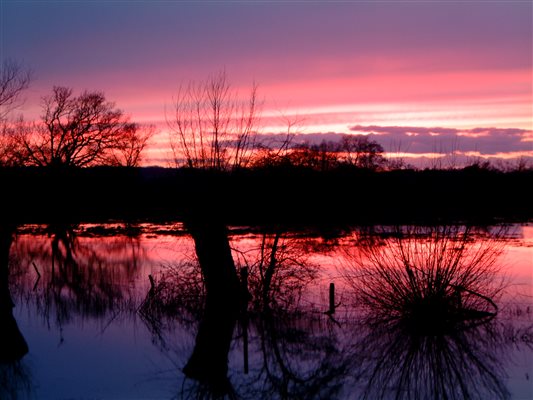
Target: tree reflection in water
{"points": [[430, 279], [76, 277], [293, 356], [300, 356], [426, 299], [15, 381], [15, 378], [394, 363], [423, 323], [65, 279], [279, 270]]}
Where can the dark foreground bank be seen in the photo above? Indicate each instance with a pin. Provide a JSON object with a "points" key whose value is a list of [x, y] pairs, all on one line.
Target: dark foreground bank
{"points": [[266, 196]]}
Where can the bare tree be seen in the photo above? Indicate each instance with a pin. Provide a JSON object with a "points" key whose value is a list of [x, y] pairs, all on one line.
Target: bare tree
{"points": [[13, 81], [277, 150], [81, 131], [129, 153], [9, 146], [212, 127]]}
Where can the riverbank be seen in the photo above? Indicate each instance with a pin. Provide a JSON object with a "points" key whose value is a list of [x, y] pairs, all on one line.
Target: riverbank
{"points": [[266, 196]]}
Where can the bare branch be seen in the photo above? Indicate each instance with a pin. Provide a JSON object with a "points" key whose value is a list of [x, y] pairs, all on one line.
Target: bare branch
{"points": [[13, 81], [212, 128], [82, 131]]}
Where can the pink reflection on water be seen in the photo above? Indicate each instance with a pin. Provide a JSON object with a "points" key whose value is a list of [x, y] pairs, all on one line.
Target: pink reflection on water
{"points": [[117, 264], [518, 263]]}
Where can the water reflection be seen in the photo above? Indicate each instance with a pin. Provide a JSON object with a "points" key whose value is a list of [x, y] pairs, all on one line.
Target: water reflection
{"points": [[426, 319], [15, 381], [73, 277], [291, 357], [395, 363], [432, 280], [427, 302], [12, 344], [279, 270], [301, 357], [14, 377], [425, 328]]}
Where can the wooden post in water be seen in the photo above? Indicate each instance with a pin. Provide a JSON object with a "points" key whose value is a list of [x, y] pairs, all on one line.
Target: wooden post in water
{"points": [[244, 302], [331, 310]]}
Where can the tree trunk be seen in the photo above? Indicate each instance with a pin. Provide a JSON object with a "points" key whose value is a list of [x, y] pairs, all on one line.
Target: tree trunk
{"points": [[208, 363], [216, 262], [12, 344]]}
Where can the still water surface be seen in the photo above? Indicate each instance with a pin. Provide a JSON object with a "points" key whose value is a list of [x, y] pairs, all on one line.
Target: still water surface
{"points": [[97, 328]]}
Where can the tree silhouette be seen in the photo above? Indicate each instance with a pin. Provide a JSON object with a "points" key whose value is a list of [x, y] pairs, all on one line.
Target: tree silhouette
{"points": [[12, 344], [212, 127], [352, 150], [14, 79], [81, 131], [129, 151], [361, 152], [279, 270]]}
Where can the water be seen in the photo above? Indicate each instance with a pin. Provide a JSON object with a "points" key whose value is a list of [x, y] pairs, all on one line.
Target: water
{"points": [[97, 329]]}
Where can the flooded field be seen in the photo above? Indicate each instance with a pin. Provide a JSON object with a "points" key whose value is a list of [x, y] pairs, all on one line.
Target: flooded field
{"points": [[138, 312]]}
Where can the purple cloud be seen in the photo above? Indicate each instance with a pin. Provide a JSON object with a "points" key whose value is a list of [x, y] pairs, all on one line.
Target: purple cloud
{"points": [[486, 141]]}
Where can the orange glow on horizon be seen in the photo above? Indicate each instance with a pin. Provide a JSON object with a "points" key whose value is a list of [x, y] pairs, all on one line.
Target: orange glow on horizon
{"points": [[460, 100]]}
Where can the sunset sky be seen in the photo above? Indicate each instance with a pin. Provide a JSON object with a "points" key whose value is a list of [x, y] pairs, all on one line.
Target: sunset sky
{"points": [[427, 77]]}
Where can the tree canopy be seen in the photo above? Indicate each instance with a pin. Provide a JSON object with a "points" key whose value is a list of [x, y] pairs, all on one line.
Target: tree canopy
{"points": [[352, 151], [78, 131]]}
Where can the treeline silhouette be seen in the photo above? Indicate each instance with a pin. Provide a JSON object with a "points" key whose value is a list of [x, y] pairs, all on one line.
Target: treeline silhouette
{"points": [[268, 195], [79, 162]]}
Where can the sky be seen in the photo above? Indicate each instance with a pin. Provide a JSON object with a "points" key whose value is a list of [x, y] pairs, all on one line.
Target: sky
{"points": [[423, 77]]}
